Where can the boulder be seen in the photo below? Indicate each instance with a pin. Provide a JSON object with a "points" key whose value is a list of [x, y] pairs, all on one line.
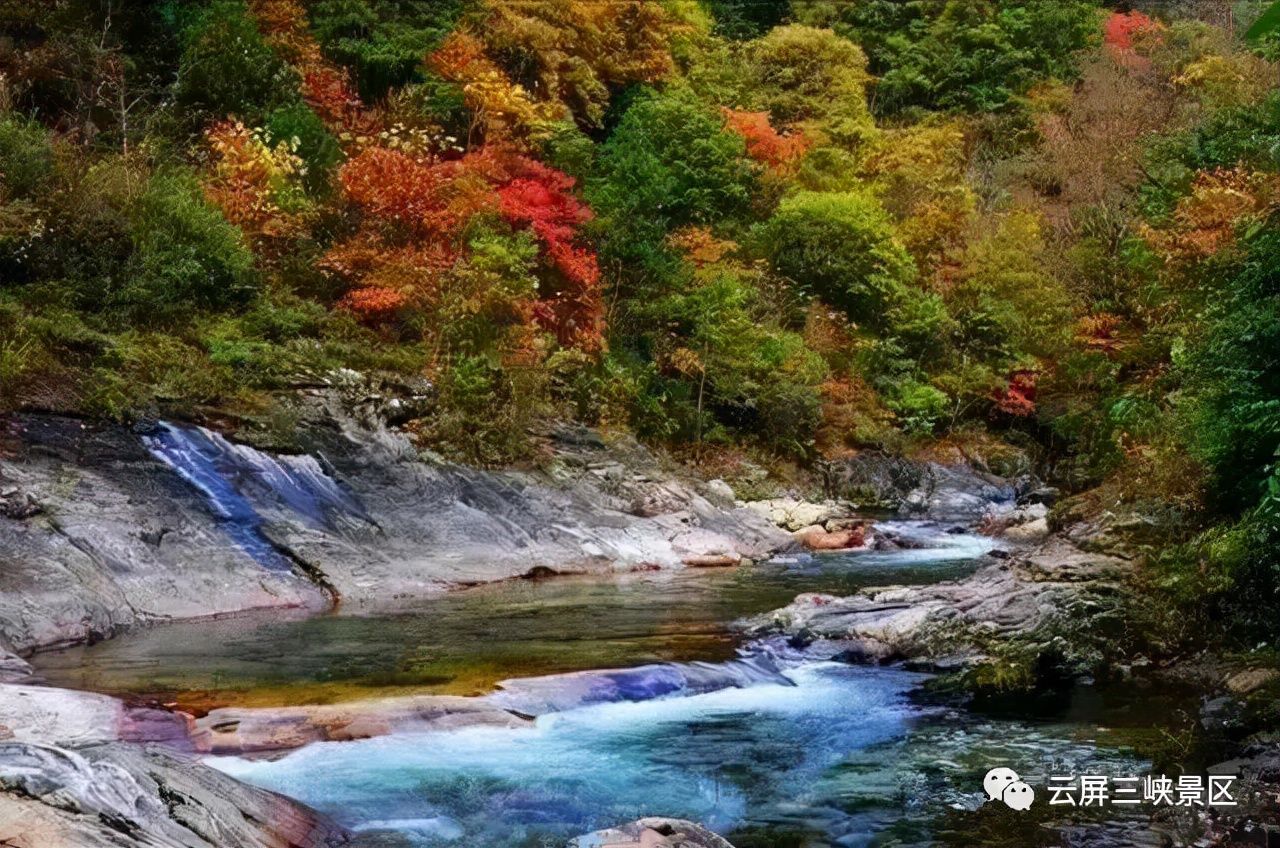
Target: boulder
{"points": [[1054, 587], [931, 490], [1250, 680], [818, 538], [792, 514], [720, 489], [652, 833]]}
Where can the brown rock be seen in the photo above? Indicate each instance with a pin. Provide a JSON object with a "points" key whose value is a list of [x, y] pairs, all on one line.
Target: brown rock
{"points": [[1250, 680], [817, 538], [713, 560]]}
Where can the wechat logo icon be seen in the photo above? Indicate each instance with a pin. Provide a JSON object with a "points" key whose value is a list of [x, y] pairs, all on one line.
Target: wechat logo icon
{"points": [[1003, 784]]}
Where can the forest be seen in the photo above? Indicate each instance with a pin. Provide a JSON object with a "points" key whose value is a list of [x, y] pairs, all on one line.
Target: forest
{"points": [[769, 233]]}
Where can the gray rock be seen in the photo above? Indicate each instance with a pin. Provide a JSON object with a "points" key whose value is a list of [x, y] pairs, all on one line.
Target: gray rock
{"points": [[1054, 585], [125, 795], [652, 833], [720, 489], [931, 490], [79, 770], [124, 539]]}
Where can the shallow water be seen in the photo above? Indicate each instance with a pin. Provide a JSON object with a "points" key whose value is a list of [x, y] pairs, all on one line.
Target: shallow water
{"points": [[646, 703], [804, 752], [463, 643], [722, 757]]}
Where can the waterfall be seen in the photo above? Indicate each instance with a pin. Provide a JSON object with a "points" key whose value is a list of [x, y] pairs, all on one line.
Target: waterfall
{"points": [[232, 478]]}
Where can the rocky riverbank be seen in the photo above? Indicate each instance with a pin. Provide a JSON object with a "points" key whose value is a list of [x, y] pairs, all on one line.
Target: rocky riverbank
{"points": [[105, 528], [1036, 595], [78, 769]]}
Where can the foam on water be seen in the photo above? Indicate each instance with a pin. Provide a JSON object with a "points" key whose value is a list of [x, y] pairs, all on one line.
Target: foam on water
{"points": [[716, 757], [560, 692]]}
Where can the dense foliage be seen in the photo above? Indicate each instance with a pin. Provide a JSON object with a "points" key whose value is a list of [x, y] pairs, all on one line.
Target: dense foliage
{"points": [[797, 228]]}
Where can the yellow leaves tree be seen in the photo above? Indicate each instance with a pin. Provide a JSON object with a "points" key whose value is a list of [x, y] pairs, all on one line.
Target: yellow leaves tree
{"points": [[1207, 220], [919, 174], [814, 79], [578, 49], [501, 109]]}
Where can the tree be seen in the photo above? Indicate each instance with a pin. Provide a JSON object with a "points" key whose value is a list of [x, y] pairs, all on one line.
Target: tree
{"points": [[814, 79], [578, 51], [841, 248], [669, 163]]}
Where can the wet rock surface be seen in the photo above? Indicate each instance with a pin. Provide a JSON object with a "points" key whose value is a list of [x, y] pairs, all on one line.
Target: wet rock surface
{"points": [[83, 771], [175, 522], [1029, 595], [250, 731]]}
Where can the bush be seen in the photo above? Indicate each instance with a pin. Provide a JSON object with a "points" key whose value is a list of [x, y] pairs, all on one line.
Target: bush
{"points": [[919, 406], [316, 146], [841, 248], [186, 255], [814, 78], [26, 157], [228, 69], [960, 54], [1233, 378]]}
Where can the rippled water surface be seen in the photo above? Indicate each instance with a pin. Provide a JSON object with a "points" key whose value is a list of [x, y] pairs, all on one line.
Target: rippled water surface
{"points": [[464, 642], [646, 703]]}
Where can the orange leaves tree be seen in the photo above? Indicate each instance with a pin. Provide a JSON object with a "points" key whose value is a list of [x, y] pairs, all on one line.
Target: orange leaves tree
{"points": [[764, 143], [255, 184], [420, 218]]}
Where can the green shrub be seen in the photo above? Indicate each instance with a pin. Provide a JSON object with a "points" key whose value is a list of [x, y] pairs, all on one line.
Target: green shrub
{"points": [[841, 248], [315, 145], [186, 256], [26, 157], [960, 54], [228, 69], [919, 406]]}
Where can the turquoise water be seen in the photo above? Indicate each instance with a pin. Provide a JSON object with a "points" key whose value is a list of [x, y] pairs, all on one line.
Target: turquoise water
{"points": [[464, 642], [646, 703], [721, 758]]}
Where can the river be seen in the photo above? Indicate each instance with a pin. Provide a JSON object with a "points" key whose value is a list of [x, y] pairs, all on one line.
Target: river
{"points": [[646, 703]]}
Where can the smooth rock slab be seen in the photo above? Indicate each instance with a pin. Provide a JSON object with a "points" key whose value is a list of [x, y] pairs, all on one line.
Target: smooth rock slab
{"points": [[128, 538], [248, 730]]}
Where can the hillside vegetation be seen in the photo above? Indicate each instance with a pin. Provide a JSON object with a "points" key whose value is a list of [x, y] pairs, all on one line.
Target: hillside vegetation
{"points": [[789, 230]]}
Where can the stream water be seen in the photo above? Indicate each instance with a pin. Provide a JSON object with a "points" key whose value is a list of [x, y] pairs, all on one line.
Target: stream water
{"points": [[646, 704]]}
